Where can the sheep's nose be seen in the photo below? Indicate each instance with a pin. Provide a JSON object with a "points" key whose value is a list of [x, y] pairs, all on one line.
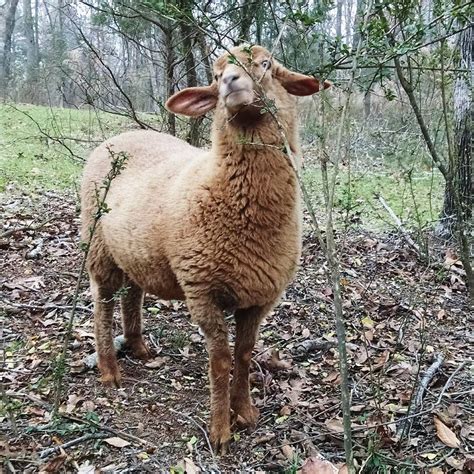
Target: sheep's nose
{"points": [[229, 78]]}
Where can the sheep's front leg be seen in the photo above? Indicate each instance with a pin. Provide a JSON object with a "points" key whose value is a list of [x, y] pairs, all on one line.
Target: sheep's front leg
{"points": [[104, 303], [247, 324], [212, 323], [132, 302]]}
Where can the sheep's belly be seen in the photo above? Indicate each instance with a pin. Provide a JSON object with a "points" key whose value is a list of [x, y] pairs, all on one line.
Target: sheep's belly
{"points": [[154, 277]]}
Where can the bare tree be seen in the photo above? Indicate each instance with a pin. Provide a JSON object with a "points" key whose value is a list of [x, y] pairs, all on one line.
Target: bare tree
{"points": [[5, 65], [32, 59], [461, 163]]}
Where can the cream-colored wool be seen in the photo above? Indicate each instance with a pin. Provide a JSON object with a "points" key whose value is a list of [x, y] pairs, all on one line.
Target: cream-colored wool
{"points": [[220, 228]]}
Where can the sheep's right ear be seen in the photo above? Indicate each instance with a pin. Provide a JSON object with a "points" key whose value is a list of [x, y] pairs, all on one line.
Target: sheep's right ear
{"points": [[193, 101]]}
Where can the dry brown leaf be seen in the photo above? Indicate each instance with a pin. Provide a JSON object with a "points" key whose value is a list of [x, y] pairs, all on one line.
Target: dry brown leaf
{"points": [[446, 436], [54, 464], [117, 442], [157, 362], [335, 425], [275, 363], [315, 465], [187, 464], [288, 451]]}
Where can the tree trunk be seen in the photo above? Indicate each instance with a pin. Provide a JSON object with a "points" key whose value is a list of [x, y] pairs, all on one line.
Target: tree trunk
{"points": [[193, 136], [246, 20], [339, 19], [462, 168], [31, 52], [170, 65], [5, 66]]}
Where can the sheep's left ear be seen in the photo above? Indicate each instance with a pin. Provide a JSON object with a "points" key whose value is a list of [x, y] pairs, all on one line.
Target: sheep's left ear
{"points": [[193, 101], [298, 84]]}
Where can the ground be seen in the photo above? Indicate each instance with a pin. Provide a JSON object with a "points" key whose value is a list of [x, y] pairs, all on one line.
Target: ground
{"points": [[401, 316]]}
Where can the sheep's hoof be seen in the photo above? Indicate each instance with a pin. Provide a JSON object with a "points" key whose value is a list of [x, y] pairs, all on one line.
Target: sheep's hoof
{"points": [[111, 378], [246, 416], [139, 349], [220, 440]]}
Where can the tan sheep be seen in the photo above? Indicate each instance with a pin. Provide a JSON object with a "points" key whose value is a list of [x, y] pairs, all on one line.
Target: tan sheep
{"points": [[219, 229]]}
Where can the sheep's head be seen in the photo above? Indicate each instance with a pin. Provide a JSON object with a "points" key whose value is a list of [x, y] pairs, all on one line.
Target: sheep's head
{"points": [[248, 82]]}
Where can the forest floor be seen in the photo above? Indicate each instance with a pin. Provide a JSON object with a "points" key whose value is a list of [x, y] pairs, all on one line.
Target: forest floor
{"points": [[401, 315]]}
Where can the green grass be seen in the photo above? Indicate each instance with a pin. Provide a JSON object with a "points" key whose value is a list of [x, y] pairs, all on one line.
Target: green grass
{"points": [[29, 159], [415, 198]]}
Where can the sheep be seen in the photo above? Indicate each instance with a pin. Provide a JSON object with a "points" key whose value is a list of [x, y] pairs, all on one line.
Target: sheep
{"points": [[218, 228]]}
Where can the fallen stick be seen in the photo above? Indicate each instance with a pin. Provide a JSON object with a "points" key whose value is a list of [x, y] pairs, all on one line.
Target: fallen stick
{"points": [[424, 382], [10, 232], [209, 445], [399, 225], [47, 452], [429, 374], [45, 307], [91, 360]]}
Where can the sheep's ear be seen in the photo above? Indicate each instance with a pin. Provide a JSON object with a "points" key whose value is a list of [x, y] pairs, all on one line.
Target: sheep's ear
{"points": [[299, 84], [193, 101]]}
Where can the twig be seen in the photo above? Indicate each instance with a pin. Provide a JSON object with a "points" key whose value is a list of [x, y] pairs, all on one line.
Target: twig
{"points": [[429, 374], [399, 225], [199, 426], [47, 452], [9, 232], [45, 307], [418, 398]]}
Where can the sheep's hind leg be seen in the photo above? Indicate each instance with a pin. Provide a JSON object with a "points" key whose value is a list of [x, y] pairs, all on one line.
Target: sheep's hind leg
{"points": [[247, 324], [132, 302], [212, 323], [104, 301]]}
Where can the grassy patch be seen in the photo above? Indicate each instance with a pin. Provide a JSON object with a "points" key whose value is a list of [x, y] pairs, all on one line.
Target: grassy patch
{"points": [[416, 198], [30, 159]]}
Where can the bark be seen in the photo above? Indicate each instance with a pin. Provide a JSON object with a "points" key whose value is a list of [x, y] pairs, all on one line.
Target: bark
{"points": [[205, 55], [31, 51], [339, 19], [246, 20], [5, 66], [461, 168], [187, 32], [170, 57]]}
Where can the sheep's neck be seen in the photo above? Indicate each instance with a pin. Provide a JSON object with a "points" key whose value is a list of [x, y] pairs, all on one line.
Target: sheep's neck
{"points": [[255, 174]]}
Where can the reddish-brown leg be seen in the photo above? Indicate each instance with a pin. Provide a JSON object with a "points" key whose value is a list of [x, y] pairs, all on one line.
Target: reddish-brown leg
{"points": [[104, 302], [247, 324], [131, 303], [212, 323]]}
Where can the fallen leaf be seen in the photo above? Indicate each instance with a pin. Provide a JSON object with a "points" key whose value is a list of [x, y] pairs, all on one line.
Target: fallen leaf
{"points": [[117, 442], [157, 362], [446, 436], [188, 466], [54, 465], [86, 468], [275, 363], [288, 451], [335, 425], [315, 465]]}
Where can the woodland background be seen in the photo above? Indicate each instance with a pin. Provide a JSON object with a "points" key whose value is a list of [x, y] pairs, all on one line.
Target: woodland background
{"points": [[387, 170]]}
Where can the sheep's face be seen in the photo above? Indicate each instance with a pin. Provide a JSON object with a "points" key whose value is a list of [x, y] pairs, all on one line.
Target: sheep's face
{"points": [[248, 83]]}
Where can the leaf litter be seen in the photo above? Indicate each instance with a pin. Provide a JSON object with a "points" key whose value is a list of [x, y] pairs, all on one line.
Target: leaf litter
{"points": [[399, 314]]}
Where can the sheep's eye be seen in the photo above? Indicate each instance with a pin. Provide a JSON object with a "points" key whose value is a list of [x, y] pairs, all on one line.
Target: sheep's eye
{"points": [[217, 77], [266, 64]]}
